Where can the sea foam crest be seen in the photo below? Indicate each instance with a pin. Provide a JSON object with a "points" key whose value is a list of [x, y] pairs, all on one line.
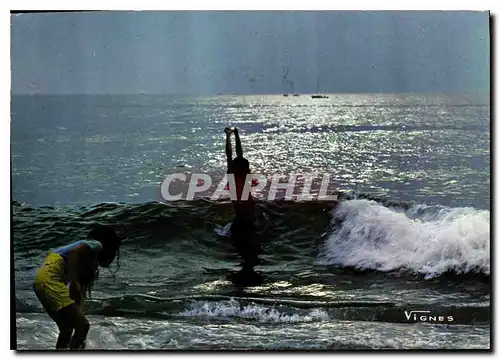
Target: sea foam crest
{"points": [[428, 240], [233, 308]]}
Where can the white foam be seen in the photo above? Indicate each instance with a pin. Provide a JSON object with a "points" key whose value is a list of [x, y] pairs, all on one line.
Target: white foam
{"points": [[232, 308], [223, 231], [424, 239], [102, 338]]}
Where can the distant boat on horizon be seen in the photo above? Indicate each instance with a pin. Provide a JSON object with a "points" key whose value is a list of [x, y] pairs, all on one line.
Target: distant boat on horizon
{"points": [[318, 96], [290, 83]]}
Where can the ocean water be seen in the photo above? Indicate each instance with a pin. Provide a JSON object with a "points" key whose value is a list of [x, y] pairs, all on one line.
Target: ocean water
{"points": [[411, 230]]}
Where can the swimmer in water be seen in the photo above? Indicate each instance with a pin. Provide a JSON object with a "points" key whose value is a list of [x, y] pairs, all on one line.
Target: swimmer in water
{"points": [[243, 227], [65, 276]]}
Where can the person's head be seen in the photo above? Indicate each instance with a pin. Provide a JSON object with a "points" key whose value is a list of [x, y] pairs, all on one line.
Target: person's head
{"points": [[241, 166], [110, 244]]}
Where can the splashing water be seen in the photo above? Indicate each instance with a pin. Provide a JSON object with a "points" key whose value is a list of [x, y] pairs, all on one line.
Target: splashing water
{"points": [[426, 240]]}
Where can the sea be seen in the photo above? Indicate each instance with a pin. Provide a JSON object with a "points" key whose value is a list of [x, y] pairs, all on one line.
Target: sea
{"points": [[400, 261]]}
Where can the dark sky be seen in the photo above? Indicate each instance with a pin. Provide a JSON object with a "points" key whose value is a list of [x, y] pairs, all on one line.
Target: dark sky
{"points": [[248, 52]]}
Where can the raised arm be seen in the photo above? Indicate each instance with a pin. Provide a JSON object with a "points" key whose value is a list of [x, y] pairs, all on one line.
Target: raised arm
{"points": [[239, 150], [229, 150]]}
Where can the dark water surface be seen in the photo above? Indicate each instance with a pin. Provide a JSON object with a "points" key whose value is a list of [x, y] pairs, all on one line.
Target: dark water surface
{"points": [[411, 232]]}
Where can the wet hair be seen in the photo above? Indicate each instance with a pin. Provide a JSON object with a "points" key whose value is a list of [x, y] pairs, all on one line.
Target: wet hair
{"points": [[241, 166], [111, 242]]}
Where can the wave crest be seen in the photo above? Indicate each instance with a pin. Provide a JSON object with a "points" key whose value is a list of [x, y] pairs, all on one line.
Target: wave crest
{"points": [[422, 239]]}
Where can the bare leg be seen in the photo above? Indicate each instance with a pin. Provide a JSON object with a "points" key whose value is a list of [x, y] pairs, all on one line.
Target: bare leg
{"points": [[81, 330], [64, 338], [65, 329], [69, 318], [78, 340]]}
